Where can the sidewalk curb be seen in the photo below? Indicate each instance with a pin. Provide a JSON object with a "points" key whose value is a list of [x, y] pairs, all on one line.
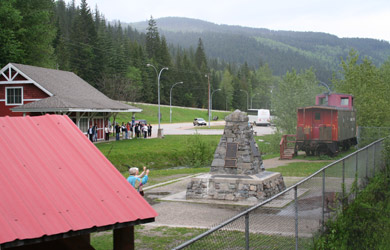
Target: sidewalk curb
{"points": [[171, 181]]}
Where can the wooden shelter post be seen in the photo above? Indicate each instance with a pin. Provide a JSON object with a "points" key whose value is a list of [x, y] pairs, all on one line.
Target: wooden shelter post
{"points": [[124, 238]]}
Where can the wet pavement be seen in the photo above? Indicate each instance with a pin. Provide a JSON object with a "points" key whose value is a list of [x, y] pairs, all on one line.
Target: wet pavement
{"points": [[276, 217], [168, 199]]}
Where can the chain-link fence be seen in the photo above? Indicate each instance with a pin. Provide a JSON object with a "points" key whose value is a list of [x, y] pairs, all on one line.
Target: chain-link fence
{"points": [[366, 135], [291, 218]]}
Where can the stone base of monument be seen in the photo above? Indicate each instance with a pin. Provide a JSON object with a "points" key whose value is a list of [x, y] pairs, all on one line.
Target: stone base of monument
{"points": [[260, 186]]}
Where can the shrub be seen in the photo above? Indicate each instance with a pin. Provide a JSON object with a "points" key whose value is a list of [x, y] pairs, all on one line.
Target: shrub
{"points": [[199, 151], [365, 223]]}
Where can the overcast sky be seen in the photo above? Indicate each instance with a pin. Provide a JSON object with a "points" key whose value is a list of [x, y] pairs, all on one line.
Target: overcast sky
{"points": [[343, 18]]}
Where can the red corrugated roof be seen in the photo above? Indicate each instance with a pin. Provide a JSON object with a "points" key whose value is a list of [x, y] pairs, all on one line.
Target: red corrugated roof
{"points": [[54, 180]]}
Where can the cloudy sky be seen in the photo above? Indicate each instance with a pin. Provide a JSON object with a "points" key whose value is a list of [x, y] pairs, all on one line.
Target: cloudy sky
{"points": [[343, 18]]}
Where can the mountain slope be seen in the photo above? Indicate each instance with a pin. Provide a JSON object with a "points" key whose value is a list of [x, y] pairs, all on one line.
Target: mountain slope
{"points": [[282, 50]]}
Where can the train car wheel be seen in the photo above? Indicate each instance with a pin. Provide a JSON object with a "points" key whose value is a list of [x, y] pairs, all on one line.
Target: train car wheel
{"points": [[321, 150], [346, 145]]}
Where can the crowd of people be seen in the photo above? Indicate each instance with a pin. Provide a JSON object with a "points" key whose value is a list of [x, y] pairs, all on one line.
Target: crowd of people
{"points": [[129, 131], [125, 131]]}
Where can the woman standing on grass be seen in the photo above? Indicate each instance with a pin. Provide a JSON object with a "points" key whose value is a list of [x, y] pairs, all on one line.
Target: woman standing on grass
{"points": [[138, 180]]}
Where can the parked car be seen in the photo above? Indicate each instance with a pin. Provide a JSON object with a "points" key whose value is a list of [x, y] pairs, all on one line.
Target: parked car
{"points": [[140, 121], [199, 122]]}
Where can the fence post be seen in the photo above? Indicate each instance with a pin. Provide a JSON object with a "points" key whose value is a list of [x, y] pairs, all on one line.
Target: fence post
{"points": [[374, 146], [357, 174], [343, 186], [366, 163], [358, 136], [296, 216], [247, 231], [323, 200]]}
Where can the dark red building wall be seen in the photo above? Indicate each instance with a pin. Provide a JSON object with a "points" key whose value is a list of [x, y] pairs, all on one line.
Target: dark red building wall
{"points": [[30, 91]]}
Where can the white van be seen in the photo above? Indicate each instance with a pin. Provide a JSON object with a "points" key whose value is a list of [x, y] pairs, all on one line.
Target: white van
{"points": [[263, 117]]}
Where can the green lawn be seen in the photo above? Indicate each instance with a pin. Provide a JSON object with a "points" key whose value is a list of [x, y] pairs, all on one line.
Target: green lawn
{"points": [[161, 238], [299, 169], [148, 238], [149, 113], [172, 151], [171, 156]]}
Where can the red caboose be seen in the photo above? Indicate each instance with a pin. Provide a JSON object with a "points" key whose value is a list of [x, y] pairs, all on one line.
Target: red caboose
{"points": [[324, 128]]}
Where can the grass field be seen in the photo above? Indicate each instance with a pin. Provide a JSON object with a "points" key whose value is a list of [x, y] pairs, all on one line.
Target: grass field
{"points": [[171, 152], [149, 113], [161, 238]]}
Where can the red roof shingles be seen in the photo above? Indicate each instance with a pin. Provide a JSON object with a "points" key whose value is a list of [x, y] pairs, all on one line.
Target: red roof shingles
{"points": [[54, 180]]}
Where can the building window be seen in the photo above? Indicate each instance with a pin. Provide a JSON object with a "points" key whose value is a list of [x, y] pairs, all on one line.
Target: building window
{"points": [[84, 124], [344, 101], [14, 96], [317, 116], [323, 101]]}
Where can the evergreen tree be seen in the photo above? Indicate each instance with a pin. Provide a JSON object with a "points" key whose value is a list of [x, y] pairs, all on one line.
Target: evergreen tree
{"points": [[10, 30], [27, 31], [152, 39], [82, 48], [39, 31], [167, 79], [226, 87], [200, 56]]}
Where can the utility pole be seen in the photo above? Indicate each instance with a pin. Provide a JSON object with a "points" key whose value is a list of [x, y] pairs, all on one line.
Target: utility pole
{"points": [[208, 79]]}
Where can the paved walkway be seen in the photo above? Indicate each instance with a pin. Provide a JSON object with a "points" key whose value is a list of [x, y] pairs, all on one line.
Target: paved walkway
{"points": [[168, 199], [174, 210]]}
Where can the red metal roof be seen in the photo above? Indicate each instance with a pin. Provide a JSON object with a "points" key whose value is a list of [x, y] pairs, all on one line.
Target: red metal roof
{"points": [[54, 180]]}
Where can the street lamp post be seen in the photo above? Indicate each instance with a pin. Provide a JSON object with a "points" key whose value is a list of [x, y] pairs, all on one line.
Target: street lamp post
{"points": [[159, 135], [247, 98], [252, 98], [170, 101], [211, 100], [208, 79]]}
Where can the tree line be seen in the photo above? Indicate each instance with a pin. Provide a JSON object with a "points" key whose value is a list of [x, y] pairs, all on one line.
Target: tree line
{"points": [[114, 59]]}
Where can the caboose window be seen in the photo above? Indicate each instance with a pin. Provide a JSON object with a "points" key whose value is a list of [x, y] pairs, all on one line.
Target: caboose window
{"points": [[344, 101], [317, 116], [323, 101]]}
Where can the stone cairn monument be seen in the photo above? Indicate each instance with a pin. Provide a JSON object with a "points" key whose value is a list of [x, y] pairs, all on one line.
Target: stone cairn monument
{"points": [[237, 172]]}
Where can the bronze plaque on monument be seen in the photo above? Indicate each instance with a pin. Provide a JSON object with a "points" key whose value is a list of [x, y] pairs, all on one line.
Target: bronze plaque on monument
{"points": [[231, 150], [231, 154], [229, 163]]}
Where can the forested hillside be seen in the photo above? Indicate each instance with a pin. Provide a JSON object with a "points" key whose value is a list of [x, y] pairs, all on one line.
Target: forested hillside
{"points": [[246, 67], [281, 50]]}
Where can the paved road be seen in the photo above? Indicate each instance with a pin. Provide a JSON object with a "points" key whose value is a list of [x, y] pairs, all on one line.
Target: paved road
{"points": [[188, 129]]}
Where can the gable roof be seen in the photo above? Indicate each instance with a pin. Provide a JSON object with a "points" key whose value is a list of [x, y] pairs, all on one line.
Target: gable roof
{"points": [[69, 93], [47, 189]]}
